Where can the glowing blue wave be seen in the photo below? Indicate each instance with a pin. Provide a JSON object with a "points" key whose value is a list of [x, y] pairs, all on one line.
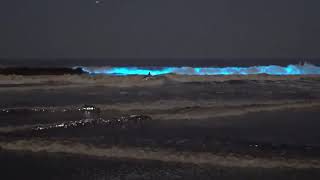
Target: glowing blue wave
{"points": [[305, 69]]}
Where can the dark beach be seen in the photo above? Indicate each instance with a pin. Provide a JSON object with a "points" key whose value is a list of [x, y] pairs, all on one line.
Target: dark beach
{"points": [[183, 89], [257, 127]]}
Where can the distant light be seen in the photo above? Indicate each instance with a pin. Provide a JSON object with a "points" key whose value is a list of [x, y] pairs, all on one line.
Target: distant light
{"points": [[88, 108], [98, 2]]}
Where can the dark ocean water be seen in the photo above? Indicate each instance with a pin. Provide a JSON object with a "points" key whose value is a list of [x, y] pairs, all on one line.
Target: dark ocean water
{"points": [[152, 62]]}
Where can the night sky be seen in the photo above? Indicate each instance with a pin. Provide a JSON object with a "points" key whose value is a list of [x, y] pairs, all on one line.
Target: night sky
{"points": [[212, 29]]}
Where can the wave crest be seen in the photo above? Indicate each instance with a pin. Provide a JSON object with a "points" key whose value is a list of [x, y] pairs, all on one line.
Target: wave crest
{"points": [[300, 69]]}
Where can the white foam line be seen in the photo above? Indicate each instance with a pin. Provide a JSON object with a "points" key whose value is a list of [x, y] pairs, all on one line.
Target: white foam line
{"points": [[201, 112], [232, 111], [163, 155]]}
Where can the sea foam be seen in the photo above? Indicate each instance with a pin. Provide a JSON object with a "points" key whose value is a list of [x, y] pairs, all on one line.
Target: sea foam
{"points": [[300, 69]]}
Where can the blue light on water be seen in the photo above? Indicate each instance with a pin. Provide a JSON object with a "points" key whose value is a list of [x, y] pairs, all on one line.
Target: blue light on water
{"points": [[306, 69]]}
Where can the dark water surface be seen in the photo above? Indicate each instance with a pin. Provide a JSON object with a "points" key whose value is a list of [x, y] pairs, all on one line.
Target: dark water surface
{"points": [[153, 62]]}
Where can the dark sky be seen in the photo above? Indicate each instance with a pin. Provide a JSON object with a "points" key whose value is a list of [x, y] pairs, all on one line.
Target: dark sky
{"points": [[159, 29]]}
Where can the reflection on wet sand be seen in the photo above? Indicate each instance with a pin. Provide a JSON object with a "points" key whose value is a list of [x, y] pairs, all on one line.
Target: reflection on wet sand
{"points": [[263, 122]]}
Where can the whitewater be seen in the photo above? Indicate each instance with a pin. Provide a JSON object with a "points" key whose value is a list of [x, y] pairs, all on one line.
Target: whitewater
{"points": [[299, 69]]}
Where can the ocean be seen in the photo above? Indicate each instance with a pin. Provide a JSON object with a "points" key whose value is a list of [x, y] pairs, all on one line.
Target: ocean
{"points": [[57, 122], [70, 62]]}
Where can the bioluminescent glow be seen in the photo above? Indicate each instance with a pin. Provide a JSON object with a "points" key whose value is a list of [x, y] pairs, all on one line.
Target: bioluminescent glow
{"points": [[305, 69]]}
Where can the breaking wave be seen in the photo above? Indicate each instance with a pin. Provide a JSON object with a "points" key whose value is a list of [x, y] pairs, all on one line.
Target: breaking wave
{"points": [[300, 69]]}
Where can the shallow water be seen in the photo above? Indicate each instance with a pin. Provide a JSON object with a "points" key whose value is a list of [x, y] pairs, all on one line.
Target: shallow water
{"points": [[230, 129]]}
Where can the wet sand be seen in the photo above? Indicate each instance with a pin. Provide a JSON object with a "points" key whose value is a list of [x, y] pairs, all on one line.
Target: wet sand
{"points": [[238, 127], [63, 166]]}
